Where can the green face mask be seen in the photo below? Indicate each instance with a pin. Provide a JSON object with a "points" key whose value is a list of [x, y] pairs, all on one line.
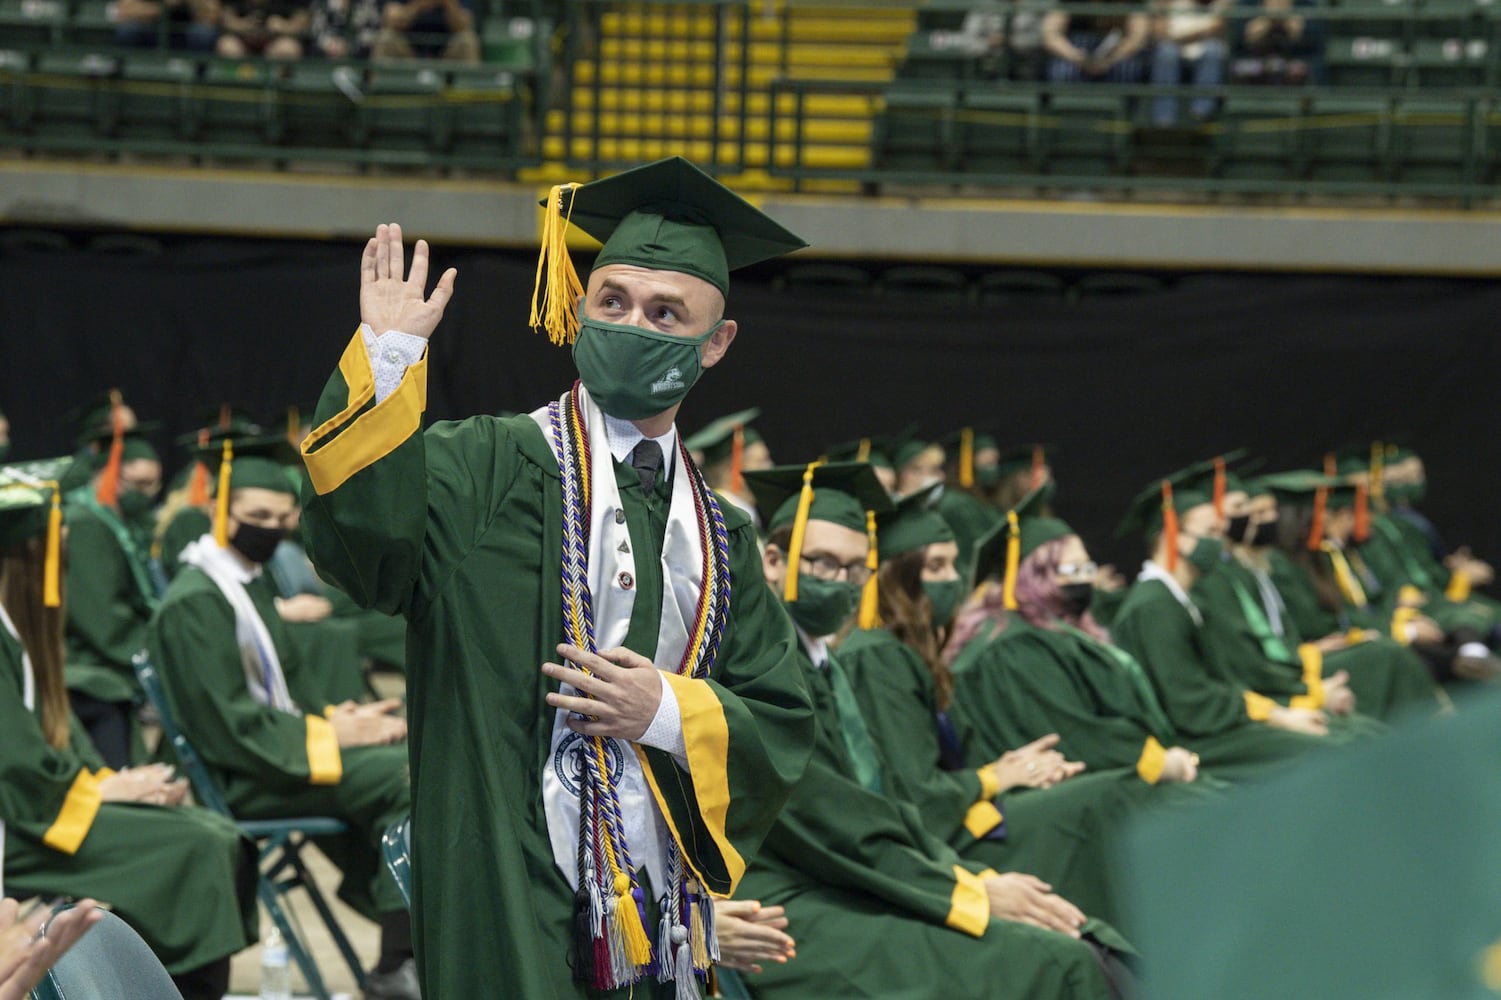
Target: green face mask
{"points": [[945, 596], [987, 476], [1407, 494], [822, 605], [1206, 554], [634, 373], [135, 506]]}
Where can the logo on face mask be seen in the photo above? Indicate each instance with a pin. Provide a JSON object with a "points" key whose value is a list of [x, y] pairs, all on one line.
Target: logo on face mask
{"points": [[671, 381]]}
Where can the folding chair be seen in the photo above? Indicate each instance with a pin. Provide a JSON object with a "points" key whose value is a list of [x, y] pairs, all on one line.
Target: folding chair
{"points": [[396, 847], [108, 962], [280, 842]]}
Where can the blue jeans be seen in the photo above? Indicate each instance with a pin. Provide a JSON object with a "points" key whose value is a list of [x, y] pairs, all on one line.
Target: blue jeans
{"points": [[1208, 70], [195, 36]]}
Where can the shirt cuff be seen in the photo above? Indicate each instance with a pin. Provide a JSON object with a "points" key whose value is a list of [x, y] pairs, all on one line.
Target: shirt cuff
{"points": [[390, 354], [666, 729]]}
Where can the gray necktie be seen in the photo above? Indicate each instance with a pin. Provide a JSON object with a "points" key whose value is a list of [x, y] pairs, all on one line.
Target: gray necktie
{"points": [[646, 459]]}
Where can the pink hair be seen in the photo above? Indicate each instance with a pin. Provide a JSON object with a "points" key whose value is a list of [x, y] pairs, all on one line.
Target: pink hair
{"points": [[1037, 598], [972, 618]]}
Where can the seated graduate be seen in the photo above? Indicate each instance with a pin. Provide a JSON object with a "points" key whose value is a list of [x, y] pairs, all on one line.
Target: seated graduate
{"points": [[971, 474], [1161, 627], [183, 877], [1328, 587], [725, 450], [1061, 829], [880, 906], [259, 717], [1252, 636], [112, 590]]}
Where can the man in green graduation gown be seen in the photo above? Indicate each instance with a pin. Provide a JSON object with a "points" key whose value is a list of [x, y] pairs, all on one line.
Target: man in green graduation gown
{"points": [[260, 718], [111, 589], [879, 905], [1161, 626], [606, 708]]}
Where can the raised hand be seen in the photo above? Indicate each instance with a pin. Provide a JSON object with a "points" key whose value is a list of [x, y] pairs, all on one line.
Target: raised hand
{"points": [[391, 299]]}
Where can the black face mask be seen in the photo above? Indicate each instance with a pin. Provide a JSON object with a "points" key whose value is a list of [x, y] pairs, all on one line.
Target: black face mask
{"points": [[1076, 598], [1239, 529], [1264, 533], [256, 543]]}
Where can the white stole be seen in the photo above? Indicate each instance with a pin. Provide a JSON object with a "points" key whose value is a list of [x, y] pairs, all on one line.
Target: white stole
{"points": [[1151, 571], [28, 698], [612, 587], [263, 673]]}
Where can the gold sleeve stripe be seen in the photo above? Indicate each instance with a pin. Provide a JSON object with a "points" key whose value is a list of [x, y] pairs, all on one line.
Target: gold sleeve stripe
{"points": [[1313, 677], [1153, 758], [325, 765], [372, 435], [981, 818], [1258, 706], [76, 816], [990, 785], [969, 906]]}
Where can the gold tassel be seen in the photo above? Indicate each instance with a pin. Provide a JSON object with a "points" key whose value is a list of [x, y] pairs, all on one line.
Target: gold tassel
{"points": [[628, 923], [52, 594], [1013, 560], [221, 502], [799, 528], [698, 938], [967, 458], [555, 301], [862, 453], [1378, 474], [294, 425], [870, 595]]}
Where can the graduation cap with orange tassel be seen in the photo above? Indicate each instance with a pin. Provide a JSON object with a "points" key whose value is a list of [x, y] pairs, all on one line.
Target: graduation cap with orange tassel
{"points": [[726, 439], [663, 216]]}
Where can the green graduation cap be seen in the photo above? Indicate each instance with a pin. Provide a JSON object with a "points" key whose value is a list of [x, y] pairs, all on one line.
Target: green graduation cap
{"points": [[95, 420], [842, 492], [1025, 530], [666, 216], [876, 450], [1371, 873], [908, 448], [716, 441], [912, 524], [248, 463], [31, 507]]}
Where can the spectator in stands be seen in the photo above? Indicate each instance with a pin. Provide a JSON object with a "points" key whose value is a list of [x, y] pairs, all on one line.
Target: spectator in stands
{"points": [[270, 28], [1190, 36], [1004, 42], [345, 29], [1278, 46], [1097, 47], [191, 24], [429, 29]]}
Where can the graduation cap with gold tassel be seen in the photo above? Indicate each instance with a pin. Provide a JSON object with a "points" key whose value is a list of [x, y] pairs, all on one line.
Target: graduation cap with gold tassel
{"points": [[1026, 528], [845, 493], [663, 216], [258, 462], [31, 505]]}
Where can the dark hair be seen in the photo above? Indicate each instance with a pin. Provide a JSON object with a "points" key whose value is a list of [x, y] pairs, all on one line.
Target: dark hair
{"points": [[41, 631], [907, 614]]}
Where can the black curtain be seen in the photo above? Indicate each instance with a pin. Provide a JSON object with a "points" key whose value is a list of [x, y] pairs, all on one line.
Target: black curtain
{"points": [[1127, 386]]}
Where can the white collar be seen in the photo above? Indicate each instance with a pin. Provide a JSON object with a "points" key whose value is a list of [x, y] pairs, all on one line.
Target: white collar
{"points": [[1151, 571], [623, 437], [817, 649], [225, 560]]}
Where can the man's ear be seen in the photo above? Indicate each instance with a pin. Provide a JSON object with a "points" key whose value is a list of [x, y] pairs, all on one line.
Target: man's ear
{"points": [[718, 344]]}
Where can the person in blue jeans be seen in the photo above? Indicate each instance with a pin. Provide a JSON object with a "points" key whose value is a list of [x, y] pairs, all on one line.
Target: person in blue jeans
{"points": [[1190, 38], [191, 24], [1099, 47]]}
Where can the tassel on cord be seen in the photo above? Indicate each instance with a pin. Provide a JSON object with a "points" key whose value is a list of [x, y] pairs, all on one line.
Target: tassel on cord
{"points": [[862, 453], [1316, 528], [705, 909], [1362, 513], [221, 502], [1170, 526], [628, 926], [687, 982], [556, 288], [799, 528], [294, 425], [1378, 473], [967, 457], [870, 594], [108, 490], [52, 595], [1039, 459], [1219, 486], [1013, 560], [737, 460], [198, 484]]}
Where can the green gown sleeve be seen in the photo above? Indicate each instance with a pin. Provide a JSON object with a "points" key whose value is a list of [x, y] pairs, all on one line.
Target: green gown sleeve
{"points": [[1028, 684], [851, 838], [1163, 637], [895, 691], [193, 645], [106, 623], [48, 791]]}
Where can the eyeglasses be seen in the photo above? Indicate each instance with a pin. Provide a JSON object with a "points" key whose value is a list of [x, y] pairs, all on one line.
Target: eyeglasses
{"points": [[829, 568], [150, 487], [1072, 571]]}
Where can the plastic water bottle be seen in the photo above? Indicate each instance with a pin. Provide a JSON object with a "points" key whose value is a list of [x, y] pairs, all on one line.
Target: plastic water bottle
{"points": [[276, 974]]}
